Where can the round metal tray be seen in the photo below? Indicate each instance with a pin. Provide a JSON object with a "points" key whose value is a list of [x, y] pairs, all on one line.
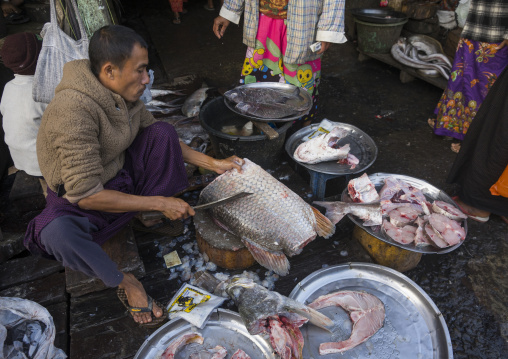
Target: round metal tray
{"points": [[276, 86], [413, 326], [224, 327], [362, 146], [431, 192], [379, 16]]}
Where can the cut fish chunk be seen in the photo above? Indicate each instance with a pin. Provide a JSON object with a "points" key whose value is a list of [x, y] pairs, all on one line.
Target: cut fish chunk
{"points": [[448, 210], [404, 235], [361, 189], [177, 343], [219, 352], [365, 310], [323, 148], [435, 237], [421, 238], [240, 354], [451, 231], [401, 216]]}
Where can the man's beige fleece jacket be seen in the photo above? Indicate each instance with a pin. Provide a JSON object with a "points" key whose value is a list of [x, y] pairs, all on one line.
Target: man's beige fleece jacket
{"points": [[85, 131]]}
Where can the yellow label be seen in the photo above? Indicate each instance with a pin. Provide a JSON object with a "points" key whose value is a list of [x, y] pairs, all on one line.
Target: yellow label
{"points": [[320, 131], [188, 300]]}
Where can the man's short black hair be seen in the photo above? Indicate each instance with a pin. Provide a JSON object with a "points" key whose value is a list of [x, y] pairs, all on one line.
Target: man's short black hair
{"points": [[112, 43]]}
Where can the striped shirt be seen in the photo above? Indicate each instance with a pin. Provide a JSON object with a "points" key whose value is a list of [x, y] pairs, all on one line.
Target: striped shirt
{"points": [[308, 21], [487, 21]]}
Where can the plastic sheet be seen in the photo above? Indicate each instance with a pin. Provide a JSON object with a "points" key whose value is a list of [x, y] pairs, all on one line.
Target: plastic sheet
{"points": [[26, 330]]}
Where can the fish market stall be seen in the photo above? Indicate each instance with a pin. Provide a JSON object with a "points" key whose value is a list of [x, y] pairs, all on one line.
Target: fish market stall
{"points": [[427, 61]]}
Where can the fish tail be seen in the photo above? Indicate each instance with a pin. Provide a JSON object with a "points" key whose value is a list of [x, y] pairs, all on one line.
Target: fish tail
{"points": [[324, 227]]}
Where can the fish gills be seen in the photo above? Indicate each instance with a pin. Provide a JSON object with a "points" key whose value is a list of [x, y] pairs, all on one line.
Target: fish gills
{"points": [[272, 222]]}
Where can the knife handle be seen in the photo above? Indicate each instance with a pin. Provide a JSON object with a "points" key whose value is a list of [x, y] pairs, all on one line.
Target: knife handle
{"points": [[152, 215]]}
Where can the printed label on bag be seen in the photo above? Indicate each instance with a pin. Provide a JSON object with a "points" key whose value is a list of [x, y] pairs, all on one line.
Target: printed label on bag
{"points": [[187, 300], [320, 131]]}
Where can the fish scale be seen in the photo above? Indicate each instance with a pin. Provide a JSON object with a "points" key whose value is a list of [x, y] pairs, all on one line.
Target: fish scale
{"points": [[273, 222]]}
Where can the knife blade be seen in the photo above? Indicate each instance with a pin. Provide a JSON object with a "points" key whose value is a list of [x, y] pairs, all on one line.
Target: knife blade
{"points": [[152, 215]]}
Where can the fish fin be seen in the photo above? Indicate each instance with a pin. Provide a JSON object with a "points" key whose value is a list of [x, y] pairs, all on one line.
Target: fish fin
{"points": [[315, 317], [324, 227], [276, 260]]}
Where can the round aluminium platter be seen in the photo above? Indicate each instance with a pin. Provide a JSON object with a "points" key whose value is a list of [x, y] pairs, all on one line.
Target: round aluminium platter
{"points": [[431, 192], [379, 16], [274, 86], [362, 146], [413, 326], [224, 328]]}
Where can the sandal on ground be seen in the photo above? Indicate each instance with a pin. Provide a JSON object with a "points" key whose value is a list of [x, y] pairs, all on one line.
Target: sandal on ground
{"points": [[16, 18], [455, 147], [177, 21], [156, 322], [473, 217], [431, 122], [209, 8]]}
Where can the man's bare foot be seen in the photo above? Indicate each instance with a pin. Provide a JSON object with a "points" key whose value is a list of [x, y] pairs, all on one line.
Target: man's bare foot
{"points": [[137, 297], [471, 210]]}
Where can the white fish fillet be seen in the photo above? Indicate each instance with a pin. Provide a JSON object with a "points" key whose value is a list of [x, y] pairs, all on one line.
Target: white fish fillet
{"points": [[366, 311], [369, 212], [318, 149], [178, 343]]}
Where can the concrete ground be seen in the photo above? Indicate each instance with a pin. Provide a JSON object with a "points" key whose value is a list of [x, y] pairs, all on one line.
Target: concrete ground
{"points": [[468, 285]]}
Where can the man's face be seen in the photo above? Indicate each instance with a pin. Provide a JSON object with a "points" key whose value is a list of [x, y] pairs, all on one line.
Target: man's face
{"points": [[130, 81]]}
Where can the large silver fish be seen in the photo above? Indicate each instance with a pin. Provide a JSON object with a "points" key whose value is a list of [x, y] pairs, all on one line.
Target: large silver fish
{"points": [[273, 222], [267, 102]]}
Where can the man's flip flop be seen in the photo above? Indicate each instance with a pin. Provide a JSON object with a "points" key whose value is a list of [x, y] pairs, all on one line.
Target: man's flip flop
{"points": [[14, 19], [473, 217], [156, 322]]}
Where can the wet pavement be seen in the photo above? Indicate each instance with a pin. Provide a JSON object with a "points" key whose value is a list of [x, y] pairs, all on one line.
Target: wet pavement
{"points": [[468, 285]]}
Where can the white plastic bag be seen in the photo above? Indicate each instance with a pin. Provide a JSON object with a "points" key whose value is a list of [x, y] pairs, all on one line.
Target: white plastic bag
{"points": [[147, 94], [324, 127], [461, 11], [31, 330]]}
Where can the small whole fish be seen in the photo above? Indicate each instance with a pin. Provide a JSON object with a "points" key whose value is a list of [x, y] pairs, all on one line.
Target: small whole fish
{"points": [[159, 93], [366, 311], [272, 223], [192, 104], [176, 344], [369, 212], [323, 148]]}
